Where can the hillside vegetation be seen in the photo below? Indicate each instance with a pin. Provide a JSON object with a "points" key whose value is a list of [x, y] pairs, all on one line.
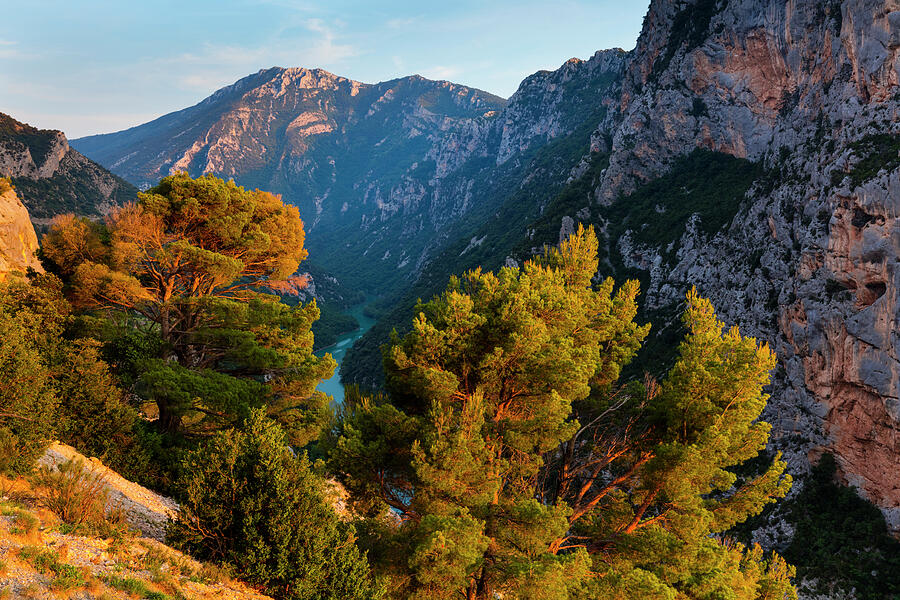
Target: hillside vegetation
{"points": [[512, 455]]}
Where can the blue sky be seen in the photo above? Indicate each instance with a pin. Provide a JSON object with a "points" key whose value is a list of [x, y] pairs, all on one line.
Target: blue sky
{"points": [[91, 66]]}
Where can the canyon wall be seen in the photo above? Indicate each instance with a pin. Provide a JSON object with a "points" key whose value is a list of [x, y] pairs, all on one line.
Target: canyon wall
{"points": [[809, 90]]}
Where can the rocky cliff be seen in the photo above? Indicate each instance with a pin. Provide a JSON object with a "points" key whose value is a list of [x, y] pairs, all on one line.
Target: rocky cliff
{"points": [[52, 178], [18, 241], [809, 91]]}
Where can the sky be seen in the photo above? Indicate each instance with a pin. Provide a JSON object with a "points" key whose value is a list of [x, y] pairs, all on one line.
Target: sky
{"points": [[92, 66]]}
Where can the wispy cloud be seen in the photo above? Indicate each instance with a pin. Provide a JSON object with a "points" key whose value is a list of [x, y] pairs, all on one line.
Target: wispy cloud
{"points": [[441, 72], [187, 76], [7, 42], [215, 65]]}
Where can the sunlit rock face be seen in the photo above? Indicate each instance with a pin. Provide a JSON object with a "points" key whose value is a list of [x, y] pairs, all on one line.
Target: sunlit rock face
{"points": [[809, 89], [18, 241]]}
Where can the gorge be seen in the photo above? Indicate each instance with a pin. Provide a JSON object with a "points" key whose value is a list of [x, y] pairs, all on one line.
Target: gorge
{"points": [[750, 148]]}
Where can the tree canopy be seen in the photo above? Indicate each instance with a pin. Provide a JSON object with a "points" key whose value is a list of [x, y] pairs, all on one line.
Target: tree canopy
{"points": [[54, 384], [193, 264], [519, 464]]}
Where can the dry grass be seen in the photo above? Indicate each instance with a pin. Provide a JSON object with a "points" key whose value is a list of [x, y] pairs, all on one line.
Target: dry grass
{"points": [[76, 494]]}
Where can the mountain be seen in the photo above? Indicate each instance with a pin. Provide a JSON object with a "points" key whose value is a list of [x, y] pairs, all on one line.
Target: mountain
{"points": [[362, 162], [51, 177], [379, 172]]}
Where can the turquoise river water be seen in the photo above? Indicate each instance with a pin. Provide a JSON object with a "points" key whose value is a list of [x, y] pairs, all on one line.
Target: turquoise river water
{"points": [[338, 350]]}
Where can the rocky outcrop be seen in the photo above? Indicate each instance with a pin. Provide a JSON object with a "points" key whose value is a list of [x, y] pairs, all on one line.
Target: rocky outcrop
{"points": [[18, 241], [144, 510], [126, 565], [52, 178]]}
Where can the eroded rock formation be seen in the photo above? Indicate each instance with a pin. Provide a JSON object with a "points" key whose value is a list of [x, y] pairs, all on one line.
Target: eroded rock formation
{"points": [[53, 178], [18, 241]]}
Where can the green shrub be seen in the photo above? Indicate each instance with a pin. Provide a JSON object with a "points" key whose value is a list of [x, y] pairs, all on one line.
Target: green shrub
{"points": [[133, 586], [25, 522], [27, 408], [249, 502], [877, 152], [46, 562], [67, 577]]}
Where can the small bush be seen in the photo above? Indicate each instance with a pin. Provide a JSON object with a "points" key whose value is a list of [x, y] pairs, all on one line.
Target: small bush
{"points": [[210, 573], [129, 585], [27, 553], [154, 558], [879, 152], [67, 577], [75, 494], [25, 521]]}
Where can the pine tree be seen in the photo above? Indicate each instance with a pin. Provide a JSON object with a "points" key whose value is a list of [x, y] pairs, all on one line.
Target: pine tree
{"points": [[657, 532], [250, 502], [519, 464], [490, 373], [187, 265]]}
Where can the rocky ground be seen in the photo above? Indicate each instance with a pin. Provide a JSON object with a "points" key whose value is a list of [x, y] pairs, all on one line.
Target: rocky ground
{"points": [[41, 557]]}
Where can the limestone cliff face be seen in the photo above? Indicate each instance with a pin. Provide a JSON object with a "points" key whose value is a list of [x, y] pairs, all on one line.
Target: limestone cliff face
{"points": [[52, 178], [18, 241], [808, 89]]}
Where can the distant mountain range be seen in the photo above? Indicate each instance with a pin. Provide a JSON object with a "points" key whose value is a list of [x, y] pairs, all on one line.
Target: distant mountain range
{"points": [[380, 172], [51, 177]]}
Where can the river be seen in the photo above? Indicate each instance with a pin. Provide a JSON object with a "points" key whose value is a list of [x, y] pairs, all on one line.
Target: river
{"points": [[338, 350]]}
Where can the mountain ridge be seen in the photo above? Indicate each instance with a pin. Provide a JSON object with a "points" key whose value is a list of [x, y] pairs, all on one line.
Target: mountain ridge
{"points": [[52, 178], [379, 171]]}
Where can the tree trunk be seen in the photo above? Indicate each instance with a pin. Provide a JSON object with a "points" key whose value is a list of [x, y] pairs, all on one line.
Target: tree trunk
{"points": [[483, 591], [169, 420]]}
